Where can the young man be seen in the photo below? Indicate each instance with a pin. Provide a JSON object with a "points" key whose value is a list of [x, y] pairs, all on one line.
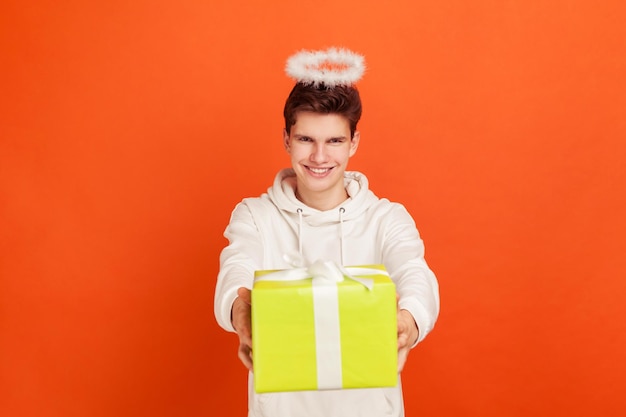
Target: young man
{"points": [[318, 210]]}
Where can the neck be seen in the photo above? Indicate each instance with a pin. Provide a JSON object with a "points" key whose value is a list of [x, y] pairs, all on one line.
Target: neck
{"points": [[323, 201]]}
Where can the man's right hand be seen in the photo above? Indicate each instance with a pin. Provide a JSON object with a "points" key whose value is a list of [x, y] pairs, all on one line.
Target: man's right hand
{"points": [[242, 323]]}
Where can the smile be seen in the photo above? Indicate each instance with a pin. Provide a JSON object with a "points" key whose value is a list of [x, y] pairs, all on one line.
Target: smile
{"points": [[319, 171]]}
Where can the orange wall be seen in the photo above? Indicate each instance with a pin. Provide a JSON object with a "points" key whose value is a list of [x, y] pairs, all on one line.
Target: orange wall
{"points": [[129, 132]]}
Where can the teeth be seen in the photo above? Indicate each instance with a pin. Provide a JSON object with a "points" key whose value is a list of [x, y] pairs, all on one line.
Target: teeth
{"points": [[319, 170]]}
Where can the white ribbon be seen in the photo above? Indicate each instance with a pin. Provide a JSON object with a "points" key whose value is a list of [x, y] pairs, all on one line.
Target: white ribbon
{"points": [[325, 271], [325, 276]]}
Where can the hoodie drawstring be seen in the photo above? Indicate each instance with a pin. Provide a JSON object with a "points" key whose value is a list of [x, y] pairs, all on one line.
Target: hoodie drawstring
{"points": [[300, 233], [341, 211]]}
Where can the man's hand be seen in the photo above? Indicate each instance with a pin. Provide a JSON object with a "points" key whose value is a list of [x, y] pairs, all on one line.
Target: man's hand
{"points": [[407, 336], [242, 323]]}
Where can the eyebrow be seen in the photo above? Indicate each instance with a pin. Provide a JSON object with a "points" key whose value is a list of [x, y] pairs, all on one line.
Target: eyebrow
{"points": [[300, 136]]}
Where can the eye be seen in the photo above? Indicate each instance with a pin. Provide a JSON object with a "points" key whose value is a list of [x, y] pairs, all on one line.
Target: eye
{"points": [[336, 140], [304, 139]]}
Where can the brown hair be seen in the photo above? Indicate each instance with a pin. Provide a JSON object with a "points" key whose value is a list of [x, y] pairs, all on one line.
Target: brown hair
{"points": [[342, 100]]}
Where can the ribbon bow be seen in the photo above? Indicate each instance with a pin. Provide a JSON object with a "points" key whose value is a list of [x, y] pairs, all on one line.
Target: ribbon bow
{"points": [[325, 272]]}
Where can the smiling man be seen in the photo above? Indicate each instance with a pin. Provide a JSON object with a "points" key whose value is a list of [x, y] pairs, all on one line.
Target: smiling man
{"points": [[317, 210]]}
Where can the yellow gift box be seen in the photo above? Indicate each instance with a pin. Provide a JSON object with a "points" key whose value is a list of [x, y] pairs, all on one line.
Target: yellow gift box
{"points": [[324, 327]]}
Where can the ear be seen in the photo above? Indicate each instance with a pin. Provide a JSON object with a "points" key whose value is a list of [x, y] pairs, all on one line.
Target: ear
{"points": [[354, 142], [286, 141]]}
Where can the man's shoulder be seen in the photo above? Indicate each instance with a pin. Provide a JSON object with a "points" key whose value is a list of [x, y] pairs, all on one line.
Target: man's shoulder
{"points": [[387, 211], [259, 205]]}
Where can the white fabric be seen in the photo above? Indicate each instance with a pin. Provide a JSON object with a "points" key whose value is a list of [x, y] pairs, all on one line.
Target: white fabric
{"points": [[324, 271], [373, 231]]}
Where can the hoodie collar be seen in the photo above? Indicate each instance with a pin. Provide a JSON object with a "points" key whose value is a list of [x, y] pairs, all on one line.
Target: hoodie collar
{"points": [[283, 195]]}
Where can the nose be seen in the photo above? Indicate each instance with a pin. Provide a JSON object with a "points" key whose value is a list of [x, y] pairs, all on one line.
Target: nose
{"points": [[318, 154]]}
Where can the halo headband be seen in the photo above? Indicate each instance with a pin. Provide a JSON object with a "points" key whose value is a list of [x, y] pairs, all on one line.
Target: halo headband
{"points": [[329, 68]]}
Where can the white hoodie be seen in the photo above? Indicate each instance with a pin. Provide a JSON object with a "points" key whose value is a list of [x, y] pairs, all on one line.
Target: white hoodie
{"points": [[363, 230]]}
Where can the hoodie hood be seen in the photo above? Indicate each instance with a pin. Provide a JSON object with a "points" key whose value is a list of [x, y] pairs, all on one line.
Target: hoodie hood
{"points": [[360, 197]]}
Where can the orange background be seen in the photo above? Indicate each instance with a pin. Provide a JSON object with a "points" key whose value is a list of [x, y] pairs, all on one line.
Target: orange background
{"points": [[129, 130]]}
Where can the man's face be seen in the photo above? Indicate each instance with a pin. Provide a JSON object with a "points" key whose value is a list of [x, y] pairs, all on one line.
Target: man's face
{"points": [[320, 147]]}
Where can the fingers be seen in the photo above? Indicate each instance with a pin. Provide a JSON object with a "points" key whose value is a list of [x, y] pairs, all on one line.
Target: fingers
{"points": [[403, 339], [245, 356], [245, 348], [407, 327], [245, 295], [241, 317], [403, 348], [407, 334], [240, 313], [403, 354], [242, 324]]}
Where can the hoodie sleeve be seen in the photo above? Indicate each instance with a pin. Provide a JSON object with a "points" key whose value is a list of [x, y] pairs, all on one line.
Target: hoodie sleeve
{"points": [[238, 261], [403, 256]]}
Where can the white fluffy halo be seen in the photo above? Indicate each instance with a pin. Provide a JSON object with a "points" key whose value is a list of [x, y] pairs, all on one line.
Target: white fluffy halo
{"points": [[329, 68]]}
